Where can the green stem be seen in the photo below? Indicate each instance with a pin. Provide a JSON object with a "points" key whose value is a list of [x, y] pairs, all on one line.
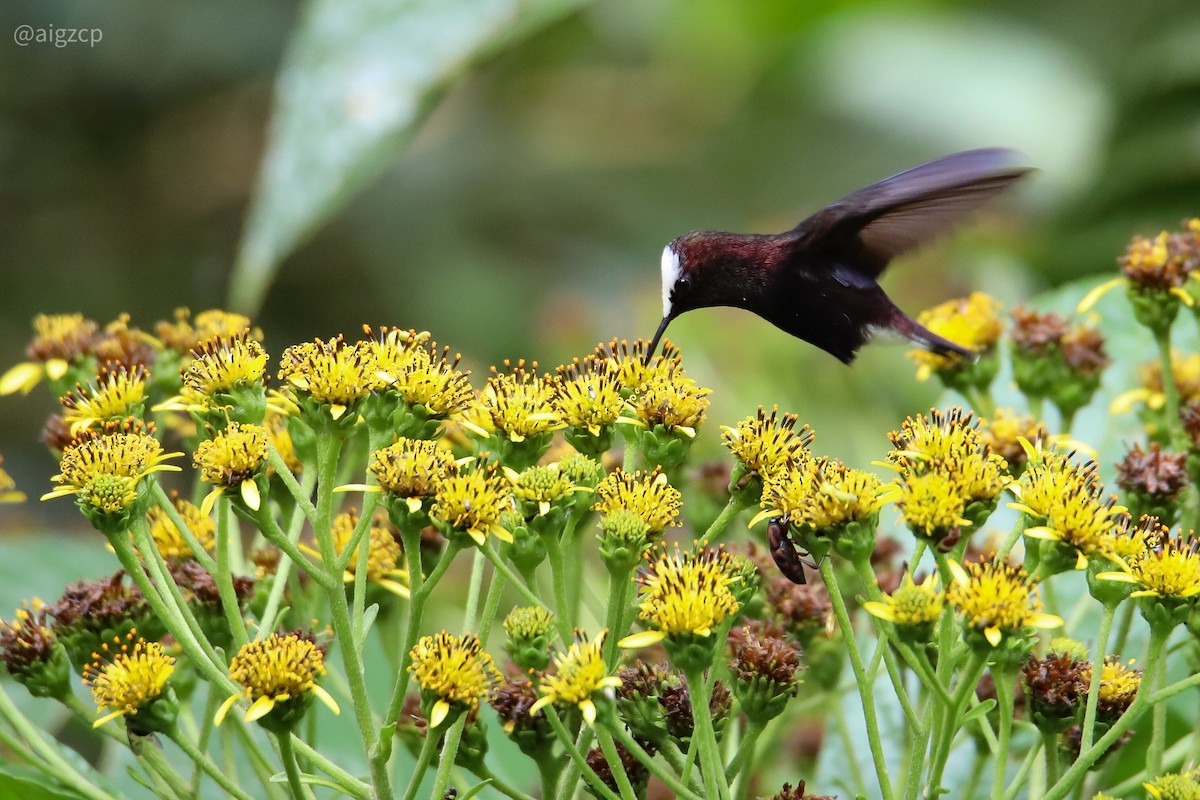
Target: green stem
{"points": [[205, 763], [615, 766], [1053, 757], [732, 508], [745, 751], [274, 534], [1178, 439], [224, 576], [866, 683], [563, 619], [1004, 679], [578, 761], [1124, 624], [1078, 770], [441, 781], [1010, 541], [1088, 731], [1158, 721], [712, 767], [48, 758], [428, 747], [949, 721], [328, 450], [669, 780], [288, 755], [269, 621], [618, 601], [502, 568], [300, 494], [198, 552], [1023, 772]]}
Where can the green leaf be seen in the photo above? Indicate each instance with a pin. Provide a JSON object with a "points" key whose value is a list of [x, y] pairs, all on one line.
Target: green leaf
{"points": [[355, 81], [31, 785], [980, 710]]}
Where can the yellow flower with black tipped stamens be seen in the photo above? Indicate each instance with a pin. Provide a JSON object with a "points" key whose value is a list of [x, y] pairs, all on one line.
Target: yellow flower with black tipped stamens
{"points": [[1119, 684], [218, 367], [648, 495], [996, 599], [1002, 433], [117, 392], [539, 486], [913, 605], [1067, 504], [675, 402], [578, 675], [334, 374], [383, 551], [166, 535], [972, 322], [59, 340], [187, 333], [395, 351], [279, 674], [454, 672], [587, 395], [435, 383], [1167, 568], [411, 469], [126, 680], [8, 487], [104, 471], [950, 442], [520, 402], [931, 505], [633, 373], [471, 502], [685, 594], [233, 458], [842, 495], [766, 444]]}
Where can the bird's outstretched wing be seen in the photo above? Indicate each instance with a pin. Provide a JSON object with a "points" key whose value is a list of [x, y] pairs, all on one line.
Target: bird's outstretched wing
{"points": [[868, 228]]}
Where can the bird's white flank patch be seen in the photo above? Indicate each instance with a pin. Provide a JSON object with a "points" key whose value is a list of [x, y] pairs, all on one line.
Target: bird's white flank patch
{"points": [[670, 274]]}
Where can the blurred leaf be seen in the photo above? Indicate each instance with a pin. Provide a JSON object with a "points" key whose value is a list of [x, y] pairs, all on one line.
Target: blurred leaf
{"points": [[30, 785], [356, 79]]}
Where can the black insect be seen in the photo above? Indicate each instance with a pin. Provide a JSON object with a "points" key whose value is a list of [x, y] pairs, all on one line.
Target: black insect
{"points": [[788, 557]]}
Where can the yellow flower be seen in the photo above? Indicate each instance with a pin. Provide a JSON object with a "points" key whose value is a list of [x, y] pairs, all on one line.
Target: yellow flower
{"points": [[996, 599], [648, 495], [218, 366], [280, 669], [396, 351], [767, 444], [587, 394], [233, 458], [685, 594], [383, 551], [972, 322], [454, 669], [104, 469], [931, 504], [633, 373], [675, 402], [59, 340], [1004, 431], [471, 502], [949, 442], [127, 679], [520, 402], [186, 333], [912, 604], [166, 535], [1119, 684], [435, 383], [540, 486], [1185, 369], [117, 393], [1068, 502], [411, 469], [1175, 785], [333, 373], [8, 487], [1166, 568], [578, 675]]}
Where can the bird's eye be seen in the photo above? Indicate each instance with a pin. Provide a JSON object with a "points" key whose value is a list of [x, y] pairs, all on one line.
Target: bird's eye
{"points": [[684, 282]]}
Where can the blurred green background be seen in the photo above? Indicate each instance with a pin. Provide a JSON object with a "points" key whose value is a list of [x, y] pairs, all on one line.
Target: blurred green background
{"points": [[505, 174]]}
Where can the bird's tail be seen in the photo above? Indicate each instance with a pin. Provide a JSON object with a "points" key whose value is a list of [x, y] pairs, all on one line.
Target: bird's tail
{"points": [[926, 339]]}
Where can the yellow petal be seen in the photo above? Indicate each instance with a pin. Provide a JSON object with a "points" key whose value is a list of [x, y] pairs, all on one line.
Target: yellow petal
{"points": [[540, 703], [993, 636], [56, 368], [1096, 293], [398, 589], [1047, 621], [1041, 532], [502, 534], [881, 610], [21, 378], [477, 535], [107, 718], [326, 698], [210, 499], [370, 488], [437, 714], [1119, 577], [414, 504], [1125, 401], [765, 514], [219, 717], [260, 708], [960, 575], [336, 410], [61, 491], [635, 641], [589, 711], [250, 495]]}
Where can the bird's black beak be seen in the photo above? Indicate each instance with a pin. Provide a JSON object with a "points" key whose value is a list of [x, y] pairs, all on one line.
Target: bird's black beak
{"points": [[654, 342]]}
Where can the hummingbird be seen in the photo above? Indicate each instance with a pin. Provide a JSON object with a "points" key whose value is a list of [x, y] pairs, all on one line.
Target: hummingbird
{"points": [[818, 280]]}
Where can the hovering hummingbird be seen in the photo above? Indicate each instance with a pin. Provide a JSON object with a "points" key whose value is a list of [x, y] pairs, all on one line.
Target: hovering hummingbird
{"points": [[818, 280]]}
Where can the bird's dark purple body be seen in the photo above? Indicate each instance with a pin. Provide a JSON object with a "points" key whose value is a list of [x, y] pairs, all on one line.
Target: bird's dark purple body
{"points": [[818, 280]]}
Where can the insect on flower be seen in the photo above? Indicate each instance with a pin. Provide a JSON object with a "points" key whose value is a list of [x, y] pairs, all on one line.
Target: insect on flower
{"points": [[784, 551]]}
